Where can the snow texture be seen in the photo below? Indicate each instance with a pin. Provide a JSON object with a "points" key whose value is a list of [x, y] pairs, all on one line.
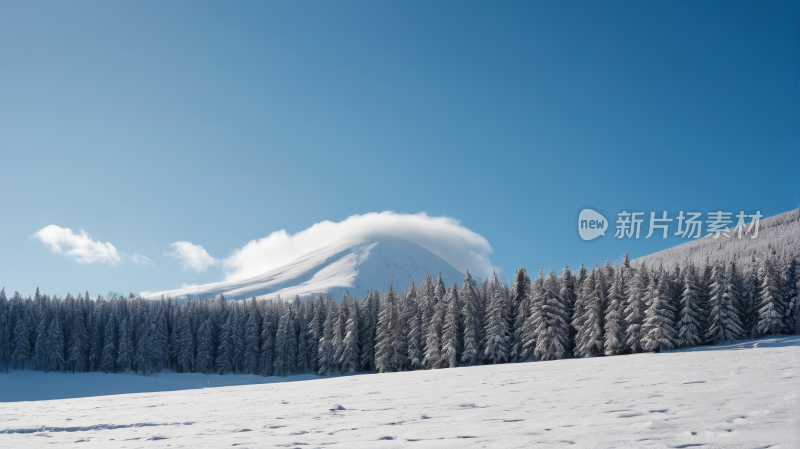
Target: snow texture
{"points": [[355, 266], [740, 395], [777, 233]]}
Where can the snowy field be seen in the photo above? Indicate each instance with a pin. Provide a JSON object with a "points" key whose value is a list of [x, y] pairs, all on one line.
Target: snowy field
{"points": [[742, 395]]}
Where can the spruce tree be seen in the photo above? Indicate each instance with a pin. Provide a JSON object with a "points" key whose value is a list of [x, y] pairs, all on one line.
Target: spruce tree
{"points": [[771, 308], [78, 345], [252, 337], [614, 342], [55, 344], [451, 343], [498, 334], [552, 325], [109, 361], [520, 291], [413, 321], [635, 310], [588, 319], [125, 351], [659, 326], [690, 316], [724, 324], [472, 319], [22, 345], [349, 360]]}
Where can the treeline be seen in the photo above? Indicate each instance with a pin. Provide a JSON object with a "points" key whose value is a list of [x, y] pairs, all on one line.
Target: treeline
{"points": [[608, 310]]}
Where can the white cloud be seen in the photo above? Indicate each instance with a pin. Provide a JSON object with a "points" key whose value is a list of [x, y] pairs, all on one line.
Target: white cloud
{"points": [[443, 236], [141, 260], [191, 256], [80, 246]]}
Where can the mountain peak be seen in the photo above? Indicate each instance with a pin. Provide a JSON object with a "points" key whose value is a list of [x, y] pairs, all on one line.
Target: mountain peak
{"points": [[354, 266]]}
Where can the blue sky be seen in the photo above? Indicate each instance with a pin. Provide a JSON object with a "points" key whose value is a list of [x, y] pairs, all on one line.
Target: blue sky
{"points": [[147, 123]]}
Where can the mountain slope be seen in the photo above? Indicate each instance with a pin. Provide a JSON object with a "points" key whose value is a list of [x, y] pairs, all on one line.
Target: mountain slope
{"points": [[779, 233], [355, 266]]}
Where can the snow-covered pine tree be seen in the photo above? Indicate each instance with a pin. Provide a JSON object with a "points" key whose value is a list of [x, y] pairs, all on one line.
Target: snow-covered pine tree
{"points": [[22, 345], [498, 334], [724, 324], [367, 323], [772, 307], [325, 358], [387, 340], [238, 335], [78, 345], [520, 290], [425, 310], [529, 329], [413, 320], [339, 330], [186, 349], [790, 280], [472, 319], [552, 326], [5, 333], [588, 319], [125, 350], [690, 316], [285, 346], [614, 342], [451, 333], [659, 326], [224, 362], [266, 355], [40, 343], [109, 360], [433, 339], [350, 360], [635, 309], [55, 344], [252, 338]]}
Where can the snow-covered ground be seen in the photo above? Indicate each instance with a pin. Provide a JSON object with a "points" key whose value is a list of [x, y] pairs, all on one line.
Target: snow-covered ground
{"points": [[742, 395]]}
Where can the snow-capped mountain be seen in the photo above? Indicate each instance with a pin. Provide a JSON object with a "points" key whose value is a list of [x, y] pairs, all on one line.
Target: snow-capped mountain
{"points": [[355, 266]]}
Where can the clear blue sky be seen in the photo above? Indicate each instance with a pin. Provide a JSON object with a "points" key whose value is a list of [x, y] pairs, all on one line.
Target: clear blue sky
{"points": [[145, 123]]}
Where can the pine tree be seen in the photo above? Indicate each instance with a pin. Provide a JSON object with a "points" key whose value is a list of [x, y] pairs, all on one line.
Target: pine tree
{"points": [[433, 339], [224, 362], [55, 344], [413, 321], [186, 359], [5, 333], [266, 356], [552, 328], [724, 324], [498, 334], [109, 360], [635, 310], [252, 336], [285, 346], [349, 360], [40, 351], [472, 319], [690, 316], [790, 280], [772, 309], [325, 358], [520, 291], [588, 319], [388, 355], [125, 352], [451, 334], [659, 327], [78, 345], [614, 343], [22, 345]]}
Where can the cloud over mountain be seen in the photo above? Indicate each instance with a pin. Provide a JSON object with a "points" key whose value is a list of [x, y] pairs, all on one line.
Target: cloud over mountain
{"points": [[443, 236]]}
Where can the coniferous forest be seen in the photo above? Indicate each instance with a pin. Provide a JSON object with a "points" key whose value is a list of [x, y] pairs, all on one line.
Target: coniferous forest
{"points": [[606, 311]]}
